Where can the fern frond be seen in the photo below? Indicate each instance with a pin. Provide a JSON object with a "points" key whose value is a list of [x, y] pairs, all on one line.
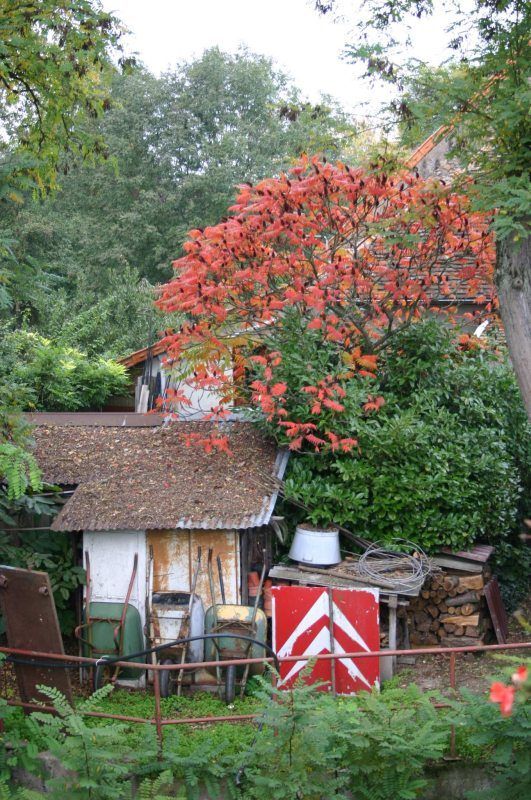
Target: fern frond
{"points": [[19, 470]]}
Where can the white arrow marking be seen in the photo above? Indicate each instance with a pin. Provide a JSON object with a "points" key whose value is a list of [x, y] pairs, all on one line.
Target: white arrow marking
{"points": [[321, 642], [342, 622], [318, 610], [322, 639]]}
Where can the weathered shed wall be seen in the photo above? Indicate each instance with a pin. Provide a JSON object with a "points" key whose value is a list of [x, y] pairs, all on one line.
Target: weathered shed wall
{"points": [[111, 556], [174, 558]]}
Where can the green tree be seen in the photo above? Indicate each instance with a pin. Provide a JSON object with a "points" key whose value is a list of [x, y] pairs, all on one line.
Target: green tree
{"points": [[54, 58], [177, 146], [445, 460], [51, 377], [485, 97]]}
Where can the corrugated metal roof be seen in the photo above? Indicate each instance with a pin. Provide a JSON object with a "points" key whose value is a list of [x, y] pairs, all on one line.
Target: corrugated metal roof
{"points": [[148, 478], [98, 419]]}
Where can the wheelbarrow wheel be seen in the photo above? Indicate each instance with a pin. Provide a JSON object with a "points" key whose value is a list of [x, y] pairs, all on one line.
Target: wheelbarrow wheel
{"points": [[166, 680], [230, 684]]}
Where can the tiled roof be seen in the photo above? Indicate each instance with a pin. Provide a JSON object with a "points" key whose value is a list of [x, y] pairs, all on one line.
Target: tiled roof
{"points": [[139, 356], [427, 146]]}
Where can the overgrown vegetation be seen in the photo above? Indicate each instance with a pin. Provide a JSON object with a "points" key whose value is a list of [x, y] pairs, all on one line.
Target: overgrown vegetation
{"points": [[53, 377], [503, 736], [446, 460], [84, 263], [372, 746], [481, 95]]}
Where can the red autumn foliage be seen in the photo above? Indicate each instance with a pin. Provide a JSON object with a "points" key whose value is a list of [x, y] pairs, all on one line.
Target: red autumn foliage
{"points": [[505, 696], [357, 255]]}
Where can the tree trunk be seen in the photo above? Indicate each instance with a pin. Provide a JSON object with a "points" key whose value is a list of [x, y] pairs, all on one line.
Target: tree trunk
{"points": [[513, 277]]}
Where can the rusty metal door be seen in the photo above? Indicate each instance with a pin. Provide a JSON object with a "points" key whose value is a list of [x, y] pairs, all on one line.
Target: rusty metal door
{"points": [[174, 554], [497, 610], [30, 616]]}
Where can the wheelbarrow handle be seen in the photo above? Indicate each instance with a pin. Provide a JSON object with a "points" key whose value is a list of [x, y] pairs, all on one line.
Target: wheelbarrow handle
{"points": [[211, 577], [221, 583]]}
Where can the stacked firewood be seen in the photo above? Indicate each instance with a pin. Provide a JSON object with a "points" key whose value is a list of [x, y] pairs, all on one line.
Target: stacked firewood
{"points": [[450, 611]]}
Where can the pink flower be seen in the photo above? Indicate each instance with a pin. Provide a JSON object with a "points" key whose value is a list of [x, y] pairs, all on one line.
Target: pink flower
{"points": [[520, 676], [504, 696]]}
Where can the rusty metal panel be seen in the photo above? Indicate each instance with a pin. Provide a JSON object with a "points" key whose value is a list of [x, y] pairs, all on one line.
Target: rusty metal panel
{"points": [[225, 544], [171, 560], [174, 556], [28, 608], [497, 610]]}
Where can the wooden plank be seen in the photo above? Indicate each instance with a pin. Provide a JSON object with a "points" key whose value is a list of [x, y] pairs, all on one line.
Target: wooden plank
{"points": [[472, 619], [450, 562], [294, 575], [97, 419], [28, 608], [497, 610], [480, 553], [355, 578]]}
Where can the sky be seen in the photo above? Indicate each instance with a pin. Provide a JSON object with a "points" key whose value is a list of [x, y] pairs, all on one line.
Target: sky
{"points": [[306, 45]]}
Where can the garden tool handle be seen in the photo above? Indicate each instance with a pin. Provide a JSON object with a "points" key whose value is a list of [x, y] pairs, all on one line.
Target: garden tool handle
{"points": [[221, 584], [211, 578]]}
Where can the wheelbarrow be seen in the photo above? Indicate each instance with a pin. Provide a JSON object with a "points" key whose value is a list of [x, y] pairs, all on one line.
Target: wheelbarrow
{"points": [[237, 620], [175, 615], [110, 629]]}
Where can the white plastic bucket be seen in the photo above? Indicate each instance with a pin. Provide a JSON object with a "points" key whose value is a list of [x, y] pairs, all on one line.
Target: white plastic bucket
{"points": [[319, 547]]}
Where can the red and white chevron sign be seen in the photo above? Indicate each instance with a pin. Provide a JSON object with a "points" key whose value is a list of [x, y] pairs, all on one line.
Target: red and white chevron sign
{"points": [[301, 625]]}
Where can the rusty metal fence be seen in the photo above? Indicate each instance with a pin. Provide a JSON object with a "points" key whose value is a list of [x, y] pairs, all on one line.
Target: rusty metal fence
{"points": [[160, 722]]}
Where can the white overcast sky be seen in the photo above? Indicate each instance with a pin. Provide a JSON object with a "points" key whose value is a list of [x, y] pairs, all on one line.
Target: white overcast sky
{"points": [[303, 43]]}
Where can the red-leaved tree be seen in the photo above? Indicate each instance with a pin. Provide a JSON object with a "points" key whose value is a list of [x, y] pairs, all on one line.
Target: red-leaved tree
{"points": [[355, 256]]}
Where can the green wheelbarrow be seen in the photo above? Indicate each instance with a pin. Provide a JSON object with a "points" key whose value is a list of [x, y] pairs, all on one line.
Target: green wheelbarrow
{"points": [[110, 629], [227, 618]]}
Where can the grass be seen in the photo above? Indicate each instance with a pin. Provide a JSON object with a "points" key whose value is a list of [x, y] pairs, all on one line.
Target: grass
{"points": [[183, 739], [201, 704]]}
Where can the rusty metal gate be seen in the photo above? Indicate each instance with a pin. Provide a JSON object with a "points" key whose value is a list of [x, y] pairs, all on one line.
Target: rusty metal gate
{"points": [[28, 608]]}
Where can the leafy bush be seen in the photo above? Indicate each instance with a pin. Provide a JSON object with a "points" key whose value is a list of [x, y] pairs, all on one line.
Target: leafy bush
{"points": [[306, 746], [506, 740], [373, 745], [96, 765], [445, 461], [52, 377], [19, 472]]}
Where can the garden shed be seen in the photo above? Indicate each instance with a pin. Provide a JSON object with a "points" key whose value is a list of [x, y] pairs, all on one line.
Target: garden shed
{"points": [[140, 486]]}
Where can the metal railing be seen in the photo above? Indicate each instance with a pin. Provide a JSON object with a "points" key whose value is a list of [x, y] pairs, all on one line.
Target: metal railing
{"points": [[158, 720]]}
